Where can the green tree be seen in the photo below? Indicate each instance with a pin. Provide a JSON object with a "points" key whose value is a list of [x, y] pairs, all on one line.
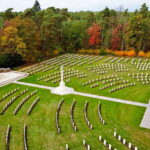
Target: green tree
{"points": [[9, 14], [36, 6], [51, 30], [74, 33], [109, 20], [144, 10], [91, 18], [1, 22]]}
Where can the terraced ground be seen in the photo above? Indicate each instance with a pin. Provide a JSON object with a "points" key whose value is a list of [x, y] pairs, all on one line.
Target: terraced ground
{"points": [[41, 123]]}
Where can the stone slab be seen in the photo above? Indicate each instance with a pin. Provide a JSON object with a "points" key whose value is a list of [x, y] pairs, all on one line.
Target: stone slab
{"points": [[9, 77]]}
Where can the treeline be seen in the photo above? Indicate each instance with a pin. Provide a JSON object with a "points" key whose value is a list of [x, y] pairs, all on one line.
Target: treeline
{"points": [[36, 34]]}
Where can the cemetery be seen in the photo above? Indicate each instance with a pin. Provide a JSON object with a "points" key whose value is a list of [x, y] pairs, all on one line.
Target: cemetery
{"points": [[76, 102]]}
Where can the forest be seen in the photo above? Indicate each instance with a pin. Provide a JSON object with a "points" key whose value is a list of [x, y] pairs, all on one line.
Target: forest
{"points": [[36, 34]]}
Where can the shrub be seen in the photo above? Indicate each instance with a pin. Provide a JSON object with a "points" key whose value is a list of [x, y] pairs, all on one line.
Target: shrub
{"points": [[56, 52], [130, 53], [89, 51], [119, 53], [104, 52], [11, 60], [142, 54], [148, 54]]}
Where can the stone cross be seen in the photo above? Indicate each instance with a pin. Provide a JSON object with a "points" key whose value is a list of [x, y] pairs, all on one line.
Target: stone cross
{"points": [[62, 74]]}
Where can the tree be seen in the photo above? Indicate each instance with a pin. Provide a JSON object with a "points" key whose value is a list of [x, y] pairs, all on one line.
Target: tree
{"points": [[31, 37], [1, 22], [50, 31], [136, 31], [91, 18], [36, 6], [10, 60], [94, 35], [116, 37], [122, 20], [109, 20], [11, 42], [73, 34], [144, 10], [146, 40], [28, 13], [8, 14], [25, 32]]}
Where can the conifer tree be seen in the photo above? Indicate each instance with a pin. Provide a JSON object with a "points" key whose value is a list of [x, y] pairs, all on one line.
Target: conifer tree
{"points": [[36, 6]]}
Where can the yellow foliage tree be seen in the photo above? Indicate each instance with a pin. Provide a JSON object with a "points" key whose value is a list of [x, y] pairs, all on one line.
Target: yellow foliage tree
{"points": [[11, 42]]}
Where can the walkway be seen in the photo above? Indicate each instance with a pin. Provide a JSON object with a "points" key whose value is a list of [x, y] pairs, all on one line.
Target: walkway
{"points": [[146, 119], [112, 99], [87, 95], [34, 85], [9, 77]]}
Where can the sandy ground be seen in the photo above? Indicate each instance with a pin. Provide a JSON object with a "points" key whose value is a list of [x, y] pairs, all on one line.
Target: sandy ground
{"points": [[8, 77]]}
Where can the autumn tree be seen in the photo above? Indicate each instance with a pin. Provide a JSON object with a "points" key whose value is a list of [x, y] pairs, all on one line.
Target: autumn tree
{"points": [[136, 32], [116, 38], [11, 42], [94, 33], [43, 32], [26, 30]]}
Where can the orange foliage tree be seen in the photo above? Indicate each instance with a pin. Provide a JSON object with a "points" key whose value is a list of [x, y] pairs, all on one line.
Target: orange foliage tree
{"points": [[94, 33]]}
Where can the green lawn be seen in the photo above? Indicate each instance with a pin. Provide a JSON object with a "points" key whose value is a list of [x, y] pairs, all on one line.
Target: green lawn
{"points": [[42, 132]]}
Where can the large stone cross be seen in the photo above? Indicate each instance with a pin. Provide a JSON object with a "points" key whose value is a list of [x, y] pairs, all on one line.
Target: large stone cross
{"points": [[62, 74]]}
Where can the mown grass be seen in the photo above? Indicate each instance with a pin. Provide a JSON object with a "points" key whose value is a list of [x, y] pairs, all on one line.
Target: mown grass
{"points": [[140, 92], [42, 133]]}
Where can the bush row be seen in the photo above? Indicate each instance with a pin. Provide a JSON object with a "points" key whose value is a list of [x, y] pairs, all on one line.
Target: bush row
{"points": [[129, 53]]}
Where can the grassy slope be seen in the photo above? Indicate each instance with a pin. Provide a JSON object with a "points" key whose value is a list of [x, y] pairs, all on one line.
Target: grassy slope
{"points": [[42, 133], [137, 93]]}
